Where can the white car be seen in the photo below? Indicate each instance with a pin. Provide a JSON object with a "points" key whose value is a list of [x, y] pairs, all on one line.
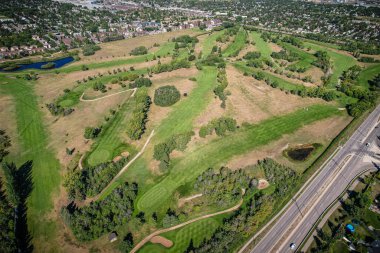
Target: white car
{"points": [[293, 246]]}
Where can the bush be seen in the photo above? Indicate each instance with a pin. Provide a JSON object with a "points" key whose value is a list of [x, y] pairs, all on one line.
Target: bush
{"points": [[139, 51], [220, 125], [92, 132], [90, 49], [252, 55], [140, 82], [166, 96]]}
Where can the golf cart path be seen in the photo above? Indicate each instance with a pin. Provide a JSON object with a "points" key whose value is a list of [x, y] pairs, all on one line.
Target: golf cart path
{"points": [[110, 95], [158, 232]]}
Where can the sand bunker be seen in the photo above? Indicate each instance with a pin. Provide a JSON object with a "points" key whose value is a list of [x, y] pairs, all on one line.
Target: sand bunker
{"points": [[162, 240]]}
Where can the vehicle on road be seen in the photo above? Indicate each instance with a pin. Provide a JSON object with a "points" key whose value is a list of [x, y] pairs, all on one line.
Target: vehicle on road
{"points": [[293, 246]]}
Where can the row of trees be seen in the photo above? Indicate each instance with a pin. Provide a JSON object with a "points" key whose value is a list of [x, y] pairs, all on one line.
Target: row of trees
{"points": [[222, 84], [56, 109], [141, 50], [92, 221], [140, 107], [167, 67], [176, 142], [220, 126]]}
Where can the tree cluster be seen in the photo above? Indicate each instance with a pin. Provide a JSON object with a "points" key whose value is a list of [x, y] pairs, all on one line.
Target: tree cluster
{"points": [[141, 50], [220, 126], [176, 142], [167, 67], [92, 132], [100, 217], [90, 49], [166, 96], [140, 82], [55, 109], [222, 84], [91, 180]]}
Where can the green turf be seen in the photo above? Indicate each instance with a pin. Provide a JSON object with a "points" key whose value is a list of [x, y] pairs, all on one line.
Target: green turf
{"points": [[209, 42], [341, 62], [368, 74], [222, 149], [34, 147], [111, 138], [197, 231], [183, 114], [261, 45], [234, 48]]}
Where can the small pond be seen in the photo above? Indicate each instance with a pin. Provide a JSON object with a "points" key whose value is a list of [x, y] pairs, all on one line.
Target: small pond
{"points": [[301, 152], [40, 65]]}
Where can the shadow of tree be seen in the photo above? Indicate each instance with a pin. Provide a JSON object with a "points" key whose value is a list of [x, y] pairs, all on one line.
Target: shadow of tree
{"points": [[24, 188]]}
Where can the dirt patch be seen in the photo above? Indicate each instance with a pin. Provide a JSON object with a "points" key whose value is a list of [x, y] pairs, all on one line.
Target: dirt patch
{"points": [[117, 158], [274, 47], [124, 47], [322, 132], [162, 240], [125, 154], [182, 201], [252, 100], [246, 49], [262, 184], [315, 73]]}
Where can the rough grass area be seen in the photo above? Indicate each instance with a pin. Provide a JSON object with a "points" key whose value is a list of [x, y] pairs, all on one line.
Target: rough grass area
{"points": [[222, 149], [234, 48], [197, 231], [368, 74], [34, 147], [261, 45]]}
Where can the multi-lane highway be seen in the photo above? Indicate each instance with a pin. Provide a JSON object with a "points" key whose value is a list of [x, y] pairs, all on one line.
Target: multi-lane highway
{"points": [[358, 154]]}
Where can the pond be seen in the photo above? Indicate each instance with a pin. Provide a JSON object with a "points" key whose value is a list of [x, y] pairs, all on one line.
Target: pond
{"points": [[301, 152], [40, 65]]}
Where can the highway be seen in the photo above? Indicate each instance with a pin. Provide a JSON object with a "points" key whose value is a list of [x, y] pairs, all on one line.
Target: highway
{"points": [[304, 210]]}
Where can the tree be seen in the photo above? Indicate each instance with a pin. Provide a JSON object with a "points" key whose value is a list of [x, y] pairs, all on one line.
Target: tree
{"points": [[166, 96], [5, 143], [12, 192]]}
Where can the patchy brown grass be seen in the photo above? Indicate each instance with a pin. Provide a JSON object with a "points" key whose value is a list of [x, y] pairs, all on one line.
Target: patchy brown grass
{"points": [[122, 48], [315, 73], [8, 112], [274, 47], [321, 132]]}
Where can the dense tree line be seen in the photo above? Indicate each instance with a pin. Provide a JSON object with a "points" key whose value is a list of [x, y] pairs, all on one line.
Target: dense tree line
{"points": [[5, 143], [100, 217], [92, 132], [183, 40], [252, 55], [7, 224], [222, 84], [176, 142], [323, 61], [140, 107], [285, 55], [220, 126], [90, 49], [249, 217], [224, 187], [91, 180], [166, 96], [167, 67]]}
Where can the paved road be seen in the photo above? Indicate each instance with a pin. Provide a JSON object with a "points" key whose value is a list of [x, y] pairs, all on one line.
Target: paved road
{"points": [[351, 159]]}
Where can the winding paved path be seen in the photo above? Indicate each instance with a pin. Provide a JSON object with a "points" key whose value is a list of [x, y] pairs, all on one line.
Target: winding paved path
{"points": [[158, 232], [110, 95]]}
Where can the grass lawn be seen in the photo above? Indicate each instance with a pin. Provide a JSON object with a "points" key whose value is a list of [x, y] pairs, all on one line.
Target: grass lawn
{"points": [[34, 147], [197, 231], [368, 74], [222, 149], [110, 142], [261, 45], [341, 62], [234, 48], [209, 42]]}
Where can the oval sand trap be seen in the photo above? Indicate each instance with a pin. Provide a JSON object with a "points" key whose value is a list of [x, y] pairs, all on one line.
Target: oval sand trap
{"points": [[162, 240]]}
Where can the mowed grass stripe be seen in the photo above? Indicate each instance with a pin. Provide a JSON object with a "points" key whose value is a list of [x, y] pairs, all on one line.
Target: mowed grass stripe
{"points": [[237, 45], [261, 45], [209, 42], [183, 114], [222, 149], [34, 147], [111, 139]]}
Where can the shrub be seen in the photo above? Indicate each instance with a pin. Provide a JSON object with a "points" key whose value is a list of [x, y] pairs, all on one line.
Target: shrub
{"points": [[90, 49], [92, 132], [166, 96], [141, 50], [140, 82], [220, 125]]}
